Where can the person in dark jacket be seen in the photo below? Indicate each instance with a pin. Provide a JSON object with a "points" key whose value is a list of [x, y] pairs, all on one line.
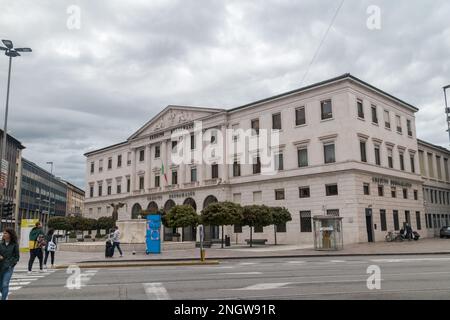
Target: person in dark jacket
{"points": [[9, 256], [35, 248], [50, 248]]}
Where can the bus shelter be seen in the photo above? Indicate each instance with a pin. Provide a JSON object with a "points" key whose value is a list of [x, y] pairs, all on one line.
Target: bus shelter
{"points": [[328, 233]]}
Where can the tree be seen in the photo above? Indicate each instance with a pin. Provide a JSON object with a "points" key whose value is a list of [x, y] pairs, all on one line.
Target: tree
{"points": [[59, 223], [105, 223], [256, 216], [279, 216], [80, 223], [222, 214], [181, 216]]}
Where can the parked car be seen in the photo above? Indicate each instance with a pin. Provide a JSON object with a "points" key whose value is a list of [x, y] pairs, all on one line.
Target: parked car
{"points": [[445, 232]]}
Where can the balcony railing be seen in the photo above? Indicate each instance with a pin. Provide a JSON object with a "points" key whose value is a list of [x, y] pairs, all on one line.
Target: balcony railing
{"points": [[212, 182], [191, 184], [155, 189], [173, 187]]}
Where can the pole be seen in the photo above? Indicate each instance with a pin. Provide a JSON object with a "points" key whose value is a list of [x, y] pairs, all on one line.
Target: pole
{"points": [[446, 109]]}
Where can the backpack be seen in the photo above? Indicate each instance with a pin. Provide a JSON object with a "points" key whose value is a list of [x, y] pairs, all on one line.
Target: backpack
{"points": [[41, 243], [51, 245]]}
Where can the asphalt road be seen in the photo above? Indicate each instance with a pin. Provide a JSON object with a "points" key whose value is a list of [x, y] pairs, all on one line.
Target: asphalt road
{"points": [[402, 277]]}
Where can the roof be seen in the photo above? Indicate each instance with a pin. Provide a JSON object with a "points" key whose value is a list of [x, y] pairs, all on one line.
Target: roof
{"points": [[346, 76], [428, 144], [11, 138], [73, 187], [105, 148]]}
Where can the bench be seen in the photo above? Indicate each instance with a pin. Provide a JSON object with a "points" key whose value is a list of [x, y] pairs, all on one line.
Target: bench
{"points": [[257, 241]]}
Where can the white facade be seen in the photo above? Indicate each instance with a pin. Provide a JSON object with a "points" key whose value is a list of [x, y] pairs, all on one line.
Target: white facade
{"points": [[345, 127]]}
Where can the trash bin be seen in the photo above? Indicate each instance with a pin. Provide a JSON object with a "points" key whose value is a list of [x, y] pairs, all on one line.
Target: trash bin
{"points": [[227, 241]]}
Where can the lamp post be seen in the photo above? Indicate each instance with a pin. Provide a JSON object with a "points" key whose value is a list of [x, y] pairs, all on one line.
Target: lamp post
{"points": [[10, 52], [49, 190], [447, 110]]}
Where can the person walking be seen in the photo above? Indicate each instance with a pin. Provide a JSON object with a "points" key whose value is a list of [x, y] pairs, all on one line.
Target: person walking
{"points": [[36, 244], [116, 241], [9, 256], [50, 248], [409, 232]]}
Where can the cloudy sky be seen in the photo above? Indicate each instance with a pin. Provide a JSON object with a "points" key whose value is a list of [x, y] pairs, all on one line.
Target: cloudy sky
{"points": [[89, 87]]}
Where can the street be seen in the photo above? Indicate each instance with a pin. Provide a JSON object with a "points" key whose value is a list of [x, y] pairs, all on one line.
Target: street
{"points": [[402, 277]]}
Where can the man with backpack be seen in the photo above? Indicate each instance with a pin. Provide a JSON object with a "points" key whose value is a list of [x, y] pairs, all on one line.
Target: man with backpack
{"points": [[36, 244]]}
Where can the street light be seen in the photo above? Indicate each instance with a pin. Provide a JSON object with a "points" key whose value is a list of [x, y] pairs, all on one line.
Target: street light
{"points": [[10, 52], [447, 110]]}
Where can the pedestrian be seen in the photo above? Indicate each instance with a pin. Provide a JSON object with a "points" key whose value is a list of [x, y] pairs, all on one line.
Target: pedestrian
{"points": [[116, 241], [36, 244], [50, 248], [409, 232], [9, 256]]}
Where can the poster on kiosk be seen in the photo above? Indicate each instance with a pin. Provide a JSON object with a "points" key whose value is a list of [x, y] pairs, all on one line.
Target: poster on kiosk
{"points": [[153, 239]]}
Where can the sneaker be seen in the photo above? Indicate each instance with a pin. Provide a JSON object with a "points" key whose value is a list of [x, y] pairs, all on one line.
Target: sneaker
{"points": [[41, 271], [29, 272]]}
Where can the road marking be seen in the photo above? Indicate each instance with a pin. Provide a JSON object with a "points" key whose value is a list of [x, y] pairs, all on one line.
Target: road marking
{"points": [[13, 289], [18, 283], [410, 260], [240, 273], [247, 263], [21, 278], [264, 286], [156, 291], [337, 261], [296, 262]]}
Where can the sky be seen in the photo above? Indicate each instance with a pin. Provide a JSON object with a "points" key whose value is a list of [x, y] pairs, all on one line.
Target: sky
{"points": [[99, 70]]}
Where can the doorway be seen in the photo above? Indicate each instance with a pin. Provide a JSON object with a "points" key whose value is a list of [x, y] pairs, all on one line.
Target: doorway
{"points": [[369, 225]]}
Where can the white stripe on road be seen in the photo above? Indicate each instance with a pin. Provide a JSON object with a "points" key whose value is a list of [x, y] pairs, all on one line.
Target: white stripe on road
{"points": [[14, 288], [247, 263], [337, 261], [264, 286], [296, 262], [156, 291], [410, 260], [240, 273], [18, 283]]}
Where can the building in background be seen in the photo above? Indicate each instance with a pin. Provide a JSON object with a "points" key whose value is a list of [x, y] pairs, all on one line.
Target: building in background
{"points": [[13, 156], [42, 194], [75, 200]]}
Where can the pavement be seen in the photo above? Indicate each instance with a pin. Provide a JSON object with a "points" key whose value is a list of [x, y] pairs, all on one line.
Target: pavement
{"points": [[432, 246], [314, 278]]}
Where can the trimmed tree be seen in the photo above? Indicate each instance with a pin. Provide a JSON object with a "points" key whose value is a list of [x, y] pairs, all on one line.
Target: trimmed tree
{"points": [[256, 216], [181, 216], [279, 216], [222, 214], [60, 223], [105, 223]]}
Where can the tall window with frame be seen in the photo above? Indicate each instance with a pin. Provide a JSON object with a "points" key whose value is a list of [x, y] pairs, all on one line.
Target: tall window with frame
{"points": [[329, 153], [174, 177], [174, 146], [418, 221], [119, 161], [362, 147], [393, 192], [128, 185], [91, 191], [396, 220], [141, 183], [326, 109], [360, 108], [92, 167], [157, 152], [257, 165], [236, 168], [192, 141], [109, 190], [402, 161], [279, 161], [119, 188], [276, 121], [383, 220], [390, 158], [302, 156], [381, 191], [193, 174], [409, 128], [305, 221], [141, 155], [157, 181], [300, 116], [100, 190], [399, 123], [255, 127], [412, 160], [387, 119], [374, 114], [377, 155], [109, 163], [214, 171]]}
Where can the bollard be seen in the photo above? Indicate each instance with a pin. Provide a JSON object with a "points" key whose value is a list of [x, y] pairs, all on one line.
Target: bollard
{"points": [[202, 254]]}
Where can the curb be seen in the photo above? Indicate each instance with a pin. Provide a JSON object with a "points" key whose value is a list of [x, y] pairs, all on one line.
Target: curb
{"points": [[139, 263], [181, 260]]}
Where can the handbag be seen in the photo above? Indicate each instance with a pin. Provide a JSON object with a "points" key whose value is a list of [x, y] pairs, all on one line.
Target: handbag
{"points": [[51, 245]]}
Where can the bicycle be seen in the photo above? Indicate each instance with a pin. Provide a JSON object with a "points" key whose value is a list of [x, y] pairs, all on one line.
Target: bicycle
{"points": [[393, 236]]}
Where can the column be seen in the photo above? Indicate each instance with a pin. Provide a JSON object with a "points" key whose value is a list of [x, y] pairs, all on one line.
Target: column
{"points": [[133, 170], [147, 176], [224, 166], [162, 180]]}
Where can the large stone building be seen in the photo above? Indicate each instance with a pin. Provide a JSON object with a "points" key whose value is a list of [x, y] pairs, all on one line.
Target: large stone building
{"points": [[345, 148], [75, 200]]}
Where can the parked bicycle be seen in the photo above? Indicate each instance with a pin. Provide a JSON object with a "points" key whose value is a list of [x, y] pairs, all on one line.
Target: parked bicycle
{"points": [[394, 236]]}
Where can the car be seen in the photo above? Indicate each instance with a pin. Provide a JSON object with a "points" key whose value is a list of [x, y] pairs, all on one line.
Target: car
{"points": [[445, 232]]}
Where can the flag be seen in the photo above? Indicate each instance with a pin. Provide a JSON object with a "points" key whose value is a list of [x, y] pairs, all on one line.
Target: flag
{"points": [[163, 173]]}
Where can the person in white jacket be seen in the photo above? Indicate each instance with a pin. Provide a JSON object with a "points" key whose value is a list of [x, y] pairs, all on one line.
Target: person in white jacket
{"points": [[116, 241]]}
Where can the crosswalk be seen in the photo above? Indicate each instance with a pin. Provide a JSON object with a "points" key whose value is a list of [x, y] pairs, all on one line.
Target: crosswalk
{"points": [[21, 278]]}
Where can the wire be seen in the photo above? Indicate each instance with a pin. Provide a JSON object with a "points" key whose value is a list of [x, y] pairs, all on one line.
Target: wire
{"points": [[322, 41]]}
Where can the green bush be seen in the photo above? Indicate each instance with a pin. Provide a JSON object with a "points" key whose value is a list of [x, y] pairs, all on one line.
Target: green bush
{"points": [[72, 235]]}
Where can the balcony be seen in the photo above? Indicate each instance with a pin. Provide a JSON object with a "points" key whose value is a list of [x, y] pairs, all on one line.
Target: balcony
{"points": [[213, 182], [154, 190], [191, 184], [173, 187], [138, 192]]}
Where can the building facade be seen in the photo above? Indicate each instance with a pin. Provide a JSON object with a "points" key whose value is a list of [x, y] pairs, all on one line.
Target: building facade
{"points": [[75, 200], [11, 195], [42, 194], [345, 148]]}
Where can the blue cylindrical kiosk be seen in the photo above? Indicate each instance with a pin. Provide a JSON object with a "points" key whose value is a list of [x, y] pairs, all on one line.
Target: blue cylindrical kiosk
{"points": [[153, 238]]}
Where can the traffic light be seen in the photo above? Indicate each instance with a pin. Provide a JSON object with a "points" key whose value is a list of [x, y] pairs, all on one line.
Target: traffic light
{"points": [[7, 209]]}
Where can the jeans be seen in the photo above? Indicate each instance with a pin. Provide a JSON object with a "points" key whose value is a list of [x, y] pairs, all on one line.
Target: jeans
{"points": [[5, 278], [52, 255], [116, 244], [33, 254]]}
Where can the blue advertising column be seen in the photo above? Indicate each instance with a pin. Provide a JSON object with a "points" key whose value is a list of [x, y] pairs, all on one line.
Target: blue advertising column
{"points": [[153, 238]]}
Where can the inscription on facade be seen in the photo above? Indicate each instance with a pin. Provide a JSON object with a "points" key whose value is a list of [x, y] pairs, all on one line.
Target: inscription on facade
{"points": [[182, 195], [154, 198], [391, 182]]}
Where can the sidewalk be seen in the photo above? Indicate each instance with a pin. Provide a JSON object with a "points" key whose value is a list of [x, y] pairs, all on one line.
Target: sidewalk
{"points": [[425, 246]]}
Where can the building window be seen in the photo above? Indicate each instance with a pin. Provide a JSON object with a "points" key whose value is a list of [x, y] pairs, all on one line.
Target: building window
{"points": [[390, 159], [128, 185], [302, 156], [193, 174], [304, 192], [237, 228], [279, 163], [418, 221], [174, 177], [405, 193], [396, 221], [393, 192], [408, 217], [213, 136], [141, 155], [329, 153], [157, 182], [100, 166], [402, 162], [408, 127], [129, 159], [192, 141], [387, 119], [255, 127], [383, 220], [100, 190], [360, 108], [326, 108], [236, 169], [141, 183], [157, 152], [300, 116], [235, 127], [256, 165], [362, 146], [174, 146], [109, 163], [381, 191], [258, 229], [214, 171], [276, 121], [413, 165], [416, 195], [109, 190], [333, 212], [377, 156], [119, 161], [366, 189], [279, 194], [305, 221], [331, 189], [91, 191], [119, 189], [92, 167], [399, 124], [374, 114]]}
